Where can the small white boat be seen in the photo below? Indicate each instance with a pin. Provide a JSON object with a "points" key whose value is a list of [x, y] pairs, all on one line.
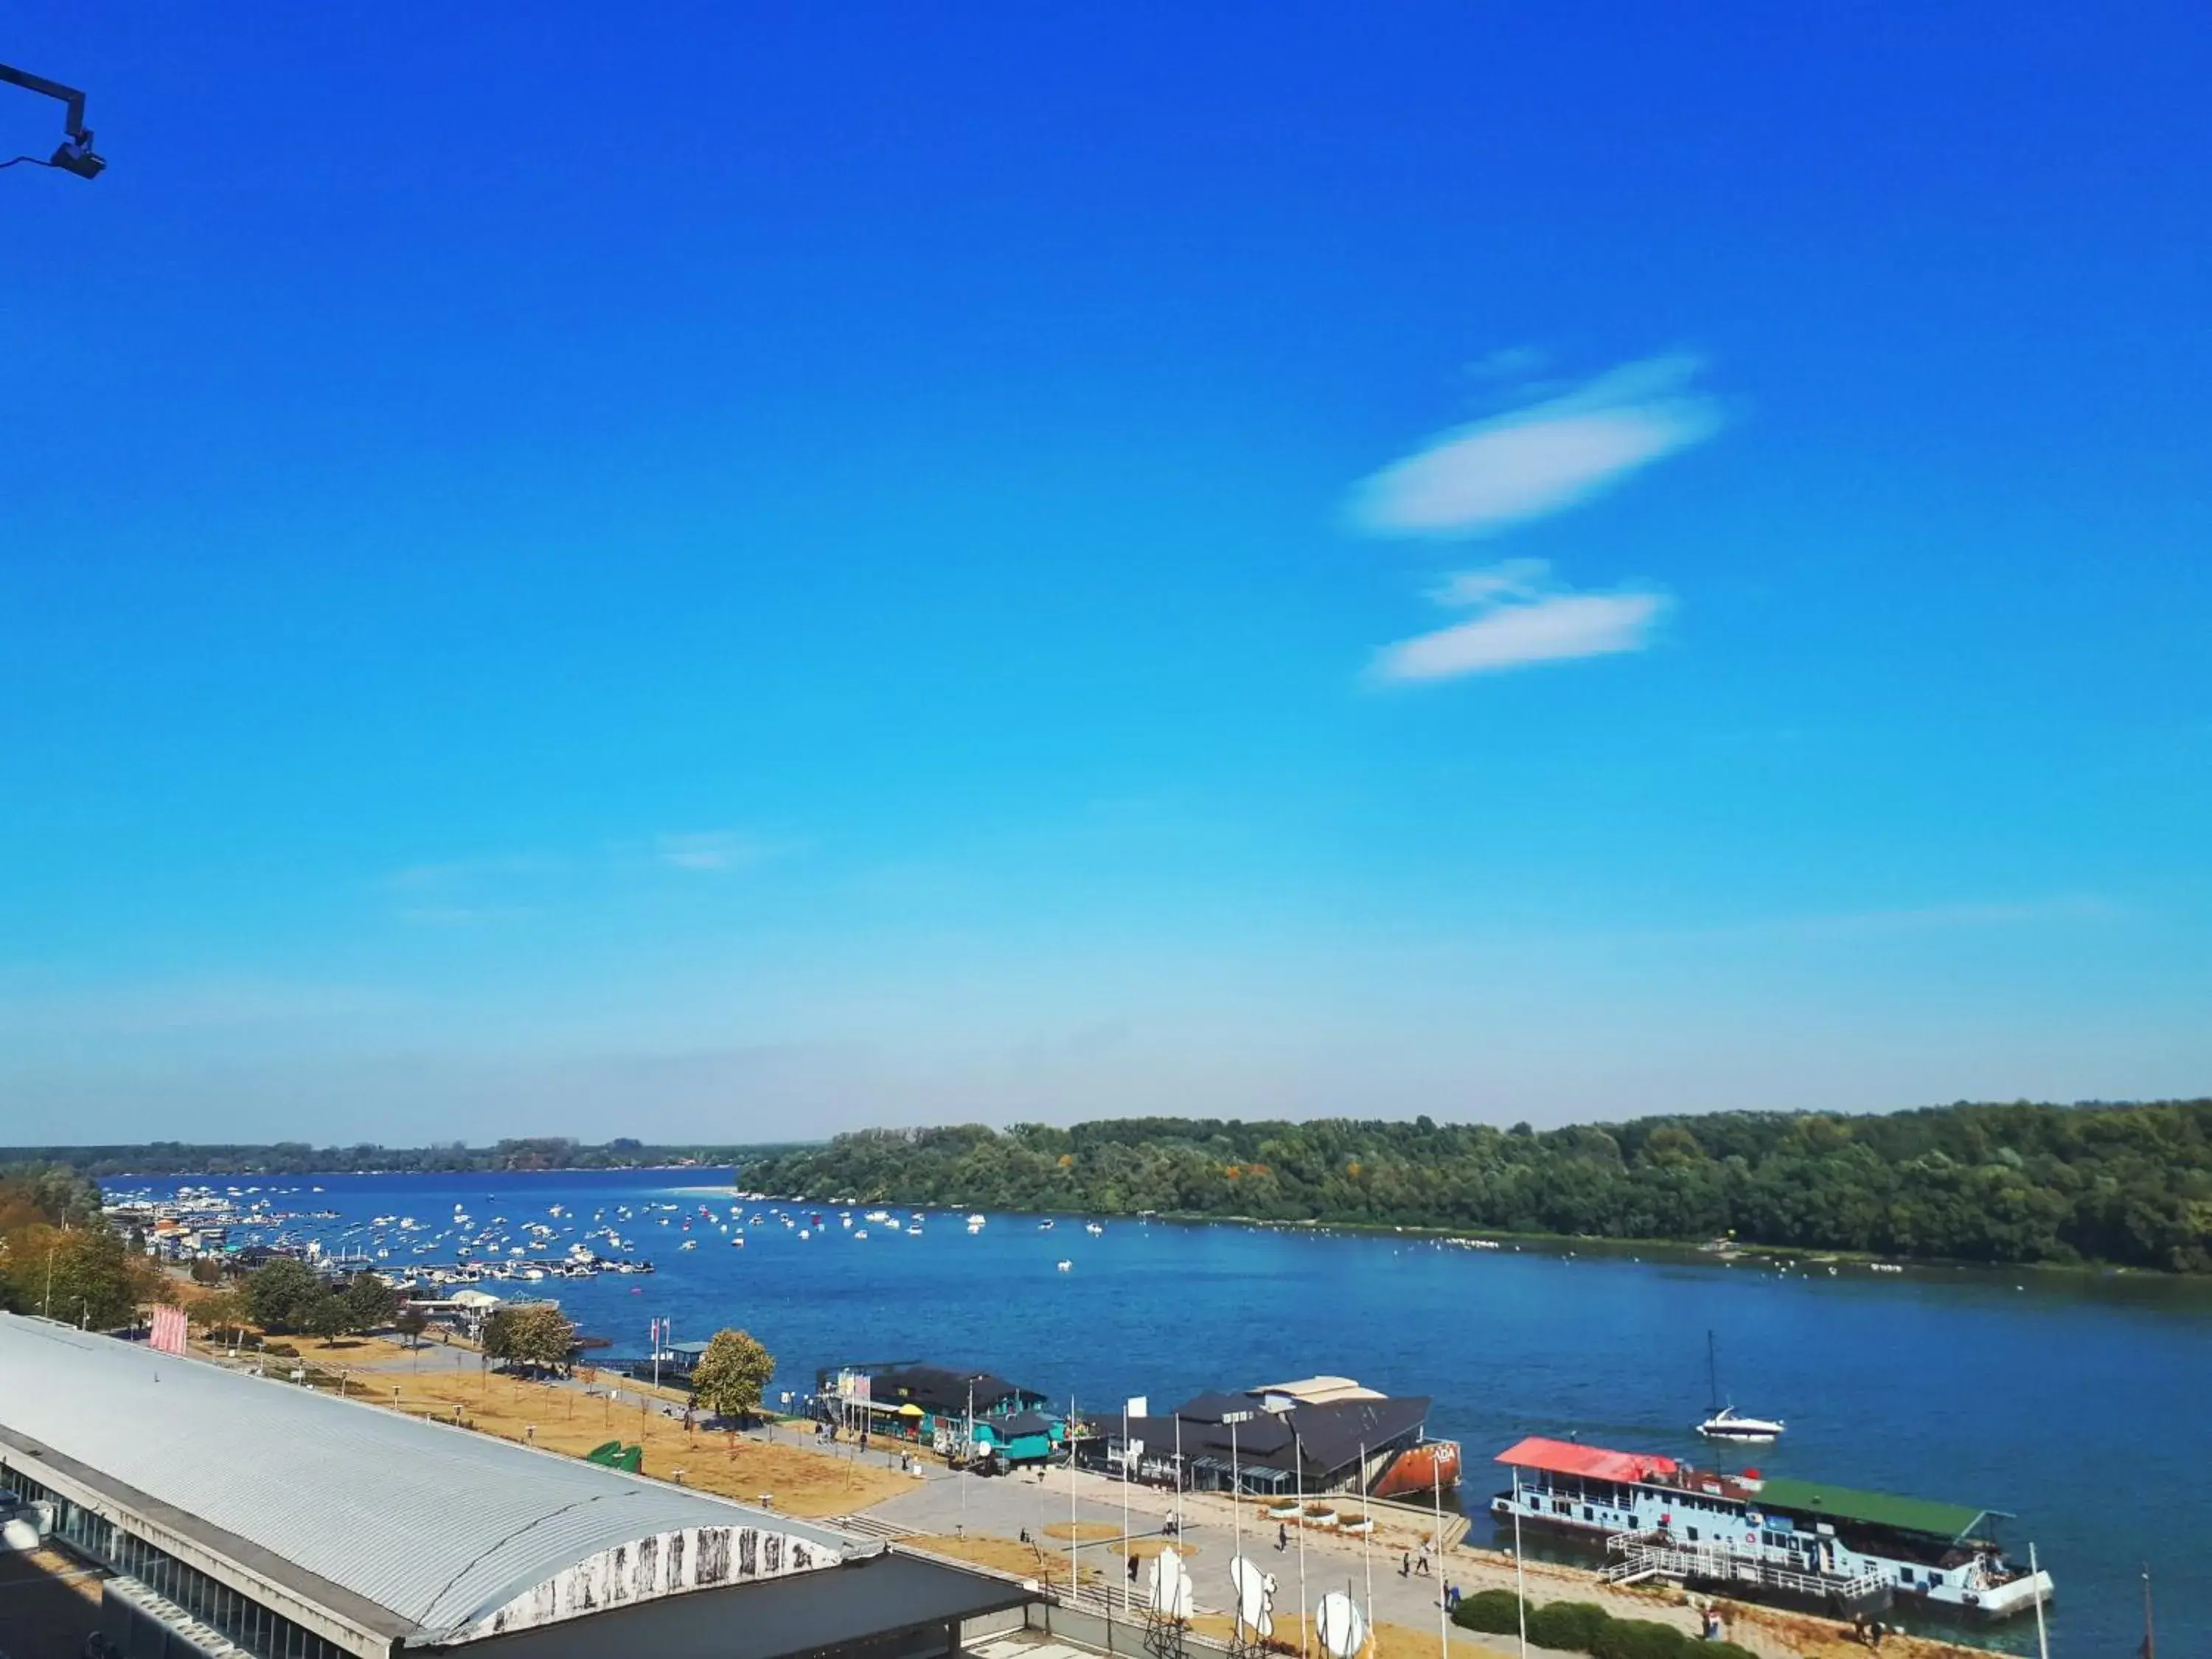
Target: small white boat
{"points": [[1065, 1265], [1728, 1424], [1725, 1422]]}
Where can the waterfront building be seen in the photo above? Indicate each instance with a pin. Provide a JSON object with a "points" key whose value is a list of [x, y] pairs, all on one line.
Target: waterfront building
{"points": [[1325, 1435], [235, 1517]]}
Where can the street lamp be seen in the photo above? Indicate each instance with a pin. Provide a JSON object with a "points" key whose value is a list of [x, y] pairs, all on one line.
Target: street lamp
{"points": [[75, 154]]}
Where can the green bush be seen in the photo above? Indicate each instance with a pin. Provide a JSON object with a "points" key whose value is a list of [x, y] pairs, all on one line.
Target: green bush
{"points": [[1721, 1651], [1570, 1626], [1493, 1612], [1641, 1638], [280, 1351]]}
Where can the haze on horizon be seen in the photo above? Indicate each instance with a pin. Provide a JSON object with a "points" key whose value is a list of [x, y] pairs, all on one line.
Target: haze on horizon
{"points": [[735, 574]]}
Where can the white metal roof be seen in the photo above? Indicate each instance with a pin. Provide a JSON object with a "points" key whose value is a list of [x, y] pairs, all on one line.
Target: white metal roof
{"points": [[440, 1526]]}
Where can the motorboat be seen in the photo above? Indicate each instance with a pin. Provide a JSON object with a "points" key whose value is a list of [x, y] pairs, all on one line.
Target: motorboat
{"points": [[1728, 1424], [1725, 1422]]}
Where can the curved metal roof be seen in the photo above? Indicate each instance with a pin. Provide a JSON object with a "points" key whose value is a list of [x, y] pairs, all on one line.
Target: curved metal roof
{"points": [[438, 1526]]}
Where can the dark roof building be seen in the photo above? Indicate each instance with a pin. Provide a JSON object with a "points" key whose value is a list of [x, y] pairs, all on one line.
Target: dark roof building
{"points": [[1267, 1441]]}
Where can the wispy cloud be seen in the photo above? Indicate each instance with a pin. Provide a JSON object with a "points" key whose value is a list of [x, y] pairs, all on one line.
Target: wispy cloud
{"points": [[1539, 458], [455, 873], [716, 851], [1523, 619]]}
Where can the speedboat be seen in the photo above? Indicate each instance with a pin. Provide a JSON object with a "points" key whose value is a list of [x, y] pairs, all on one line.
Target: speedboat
{"points": [[1725, 1422], [1728, 1424]]}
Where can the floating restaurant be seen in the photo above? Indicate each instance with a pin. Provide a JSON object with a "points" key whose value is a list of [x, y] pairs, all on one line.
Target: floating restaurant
{"points": [[1834, 1548], [1321, 1435]]}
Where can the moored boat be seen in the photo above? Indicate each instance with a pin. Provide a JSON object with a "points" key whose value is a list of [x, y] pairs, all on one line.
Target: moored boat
{"points": [[1834, 1548]]}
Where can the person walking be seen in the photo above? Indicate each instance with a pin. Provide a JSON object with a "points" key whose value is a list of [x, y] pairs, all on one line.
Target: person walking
{"points": [[1428, 1549], [1406, 1564], [1282, 1538]]}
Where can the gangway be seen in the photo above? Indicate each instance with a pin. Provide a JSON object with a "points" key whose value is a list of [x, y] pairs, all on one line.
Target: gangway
{"points": [[1649, 1555]]}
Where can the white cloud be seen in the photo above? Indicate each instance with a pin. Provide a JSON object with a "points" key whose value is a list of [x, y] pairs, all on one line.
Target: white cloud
{"points": [[713, 851], [1522, 619], [1539, 459]]}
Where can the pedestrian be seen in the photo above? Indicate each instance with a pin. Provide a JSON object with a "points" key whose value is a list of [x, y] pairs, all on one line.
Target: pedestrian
{"points": [[1712, 1625], [1133, 1566], [1406, 1564], [1859, 1628], [1282, 1538], [1874, 1633], [1451, 1597], [1427, 1550]]}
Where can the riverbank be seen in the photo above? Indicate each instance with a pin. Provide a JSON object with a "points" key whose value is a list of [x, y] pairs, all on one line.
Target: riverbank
{"points": [[1019, 1526]]}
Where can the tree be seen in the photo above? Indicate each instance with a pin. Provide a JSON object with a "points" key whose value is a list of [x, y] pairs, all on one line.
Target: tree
{"points": [[369, 1303], [411, 1323], [326, 1316], [80, 1275], [536, 1337], [730, 1375], [280, 1296], [220, 1315]]}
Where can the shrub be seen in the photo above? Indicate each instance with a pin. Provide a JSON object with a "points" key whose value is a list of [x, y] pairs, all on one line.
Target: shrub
{"points": [[280, 1351], [1493, 1612], [1721, 1650], [1571, 1627], [1642, 1638]]}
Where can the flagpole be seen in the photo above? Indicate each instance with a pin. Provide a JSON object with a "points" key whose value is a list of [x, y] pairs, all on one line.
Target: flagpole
{"points": [[1074, 1578]]}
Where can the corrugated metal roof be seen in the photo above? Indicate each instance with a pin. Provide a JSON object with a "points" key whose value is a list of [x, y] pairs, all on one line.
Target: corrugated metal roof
{"points": [[1881, 1509], [436, 1524]]}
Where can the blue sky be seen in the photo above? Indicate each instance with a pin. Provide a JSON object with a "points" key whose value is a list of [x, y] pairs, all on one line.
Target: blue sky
{"points": [[736, 571]]}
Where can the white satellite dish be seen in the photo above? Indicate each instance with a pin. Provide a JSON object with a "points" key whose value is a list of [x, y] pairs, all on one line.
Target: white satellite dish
{"points": [[1169, 1593], [1343, 1631], [1255, 1597]]}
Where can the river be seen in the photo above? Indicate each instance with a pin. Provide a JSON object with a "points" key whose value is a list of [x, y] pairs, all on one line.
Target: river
{"points": [[2069, 1399]]}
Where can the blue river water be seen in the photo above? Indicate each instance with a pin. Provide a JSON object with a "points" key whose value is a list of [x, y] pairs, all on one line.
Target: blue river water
{"points": [[2073, 1400]]}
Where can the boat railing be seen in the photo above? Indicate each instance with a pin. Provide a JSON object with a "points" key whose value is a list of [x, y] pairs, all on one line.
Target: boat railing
{"points": [[1647, 1555]]}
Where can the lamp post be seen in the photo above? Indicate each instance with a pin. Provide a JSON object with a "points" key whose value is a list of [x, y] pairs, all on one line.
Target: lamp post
{"points": [[1520, 1576], [1236, 1504]]}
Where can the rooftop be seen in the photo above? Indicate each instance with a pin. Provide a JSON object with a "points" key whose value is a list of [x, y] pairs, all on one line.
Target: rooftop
{"points": [[1879, 1509], [1594, 1463], [323, 1495]]}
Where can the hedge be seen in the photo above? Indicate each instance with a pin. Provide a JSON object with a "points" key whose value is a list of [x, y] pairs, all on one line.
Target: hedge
{"points": [[1586, 1627]]}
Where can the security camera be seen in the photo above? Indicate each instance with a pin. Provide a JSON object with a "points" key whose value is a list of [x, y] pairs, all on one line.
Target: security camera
{"points": [[76, 156]]}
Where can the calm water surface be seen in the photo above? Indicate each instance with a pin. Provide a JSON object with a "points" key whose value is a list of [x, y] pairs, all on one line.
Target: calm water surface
{"points": [[2077, 1402]]}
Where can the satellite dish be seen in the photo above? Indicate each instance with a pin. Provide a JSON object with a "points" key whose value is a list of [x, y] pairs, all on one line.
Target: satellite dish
{"points": [[1170, 1592], [1255, 1597], [1343, 1631]]}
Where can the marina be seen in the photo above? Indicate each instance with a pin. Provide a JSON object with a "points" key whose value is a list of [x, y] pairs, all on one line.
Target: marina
{"points": [[1933, 1379]]}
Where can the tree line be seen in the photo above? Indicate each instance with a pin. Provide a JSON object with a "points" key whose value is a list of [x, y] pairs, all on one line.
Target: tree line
{"points": [[2128, 1185], [298, 1158], [60, 1257]]}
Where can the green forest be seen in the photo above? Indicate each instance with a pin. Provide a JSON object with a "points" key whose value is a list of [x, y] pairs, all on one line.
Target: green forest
{"points": [[177, 1157], [2128, 1185]]}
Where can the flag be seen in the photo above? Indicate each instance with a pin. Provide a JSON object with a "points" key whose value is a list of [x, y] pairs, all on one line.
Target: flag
{"points": [[169, 1328]]}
